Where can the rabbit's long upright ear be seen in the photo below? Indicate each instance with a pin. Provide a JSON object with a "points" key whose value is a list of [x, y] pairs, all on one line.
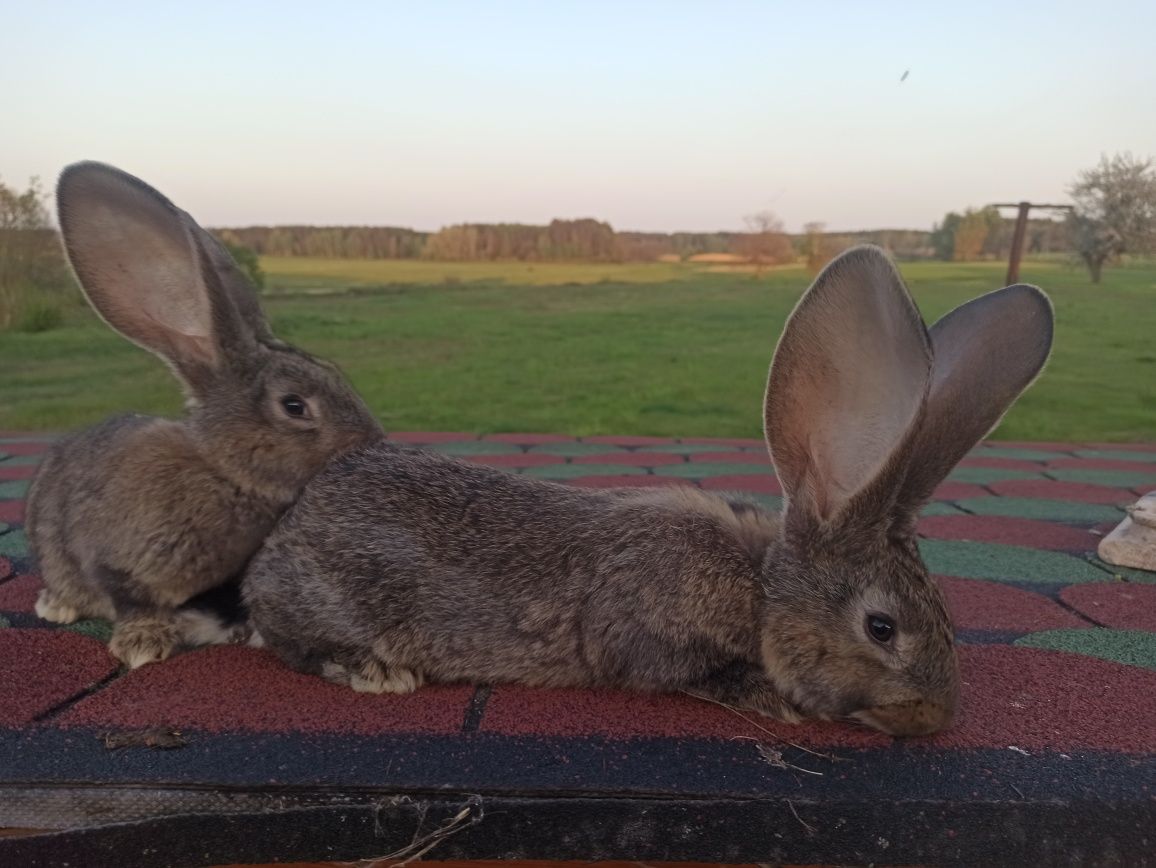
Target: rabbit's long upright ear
{"points": [[145, 271], [847, 383], [986, 353]]}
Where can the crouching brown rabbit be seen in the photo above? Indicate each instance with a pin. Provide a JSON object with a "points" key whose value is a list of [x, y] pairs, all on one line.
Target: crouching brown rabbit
{"points": [[399, 566], [134, 517]]}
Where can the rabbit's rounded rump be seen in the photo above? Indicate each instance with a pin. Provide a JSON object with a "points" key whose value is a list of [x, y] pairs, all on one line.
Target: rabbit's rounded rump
{"points": [[398, 560]]}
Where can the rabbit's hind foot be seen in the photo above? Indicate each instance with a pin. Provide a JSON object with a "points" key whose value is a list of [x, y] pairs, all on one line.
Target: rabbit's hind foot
{"points": [[144, 640], [373, 677]]}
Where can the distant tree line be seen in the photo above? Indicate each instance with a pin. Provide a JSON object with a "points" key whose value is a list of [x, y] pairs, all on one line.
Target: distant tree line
{"points": [[561, 240], [983, 233], [586, 240], [961, 236], [332, 242]]}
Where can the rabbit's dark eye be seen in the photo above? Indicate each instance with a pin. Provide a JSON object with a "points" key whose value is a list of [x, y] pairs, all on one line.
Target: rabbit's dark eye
{"points": [[295, 407], [880, 629]]}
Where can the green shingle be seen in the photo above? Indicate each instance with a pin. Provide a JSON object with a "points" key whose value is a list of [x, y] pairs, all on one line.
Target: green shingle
{"points": [[703, 469], [691, 448], [1133, 647], [13, 489], [940, 507], [1114, 478], [575, 449], [575, 471], [99, 630], [976, 560], [14, 544], [1112, 455], [1041, 508], [473, 447], [1020, 454], [988, 475], [1143, 577]]}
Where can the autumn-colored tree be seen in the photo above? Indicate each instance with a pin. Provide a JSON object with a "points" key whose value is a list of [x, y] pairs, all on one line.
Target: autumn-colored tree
{"points": [[818, 247], [971, 233], [765, 243]]}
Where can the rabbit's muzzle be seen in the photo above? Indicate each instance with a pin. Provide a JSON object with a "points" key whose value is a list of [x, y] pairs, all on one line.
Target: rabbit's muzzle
{"points": [[914, 717]]}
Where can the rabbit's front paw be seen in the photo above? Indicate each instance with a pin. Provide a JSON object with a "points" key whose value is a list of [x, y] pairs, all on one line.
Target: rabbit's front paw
{"points": [[52, 608], [136, 643]]}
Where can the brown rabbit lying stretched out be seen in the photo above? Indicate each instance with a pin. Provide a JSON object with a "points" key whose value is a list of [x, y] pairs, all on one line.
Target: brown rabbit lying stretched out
{"points": [[399, 565], [132, 518]]}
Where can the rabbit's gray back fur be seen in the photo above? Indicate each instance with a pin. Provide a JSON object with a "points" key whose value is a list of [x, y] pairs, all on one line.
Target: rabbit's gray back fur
{"points": [[642, 588]]}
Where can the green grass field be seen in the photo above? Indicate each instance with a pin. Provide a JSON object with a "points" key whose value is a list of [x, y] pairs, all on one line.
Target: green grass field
{"points": [[660, 349]]}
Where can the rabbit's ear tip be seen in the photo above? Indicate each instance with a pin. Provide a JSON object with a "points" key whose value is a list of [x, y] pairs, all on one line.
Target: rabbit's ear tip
{"points": [[1029, 291], [867, 254], [91, 170]]}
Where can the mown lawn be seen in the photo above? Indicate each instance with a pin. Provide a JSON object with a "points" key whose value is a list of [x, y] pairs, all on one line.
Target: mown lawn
{"points": [[590, 349]]}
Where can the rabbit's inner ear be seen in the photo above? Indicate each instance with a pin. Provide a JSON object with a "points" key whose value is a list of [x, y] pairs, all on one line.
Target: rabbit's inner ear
{"points": [[848, 380], [137, 263], [987, 352]]}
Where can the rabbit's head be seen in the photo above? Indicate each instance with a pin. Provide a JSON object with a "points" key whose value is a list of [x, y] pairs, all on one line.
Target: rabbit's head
{"points": [[266, 413], [866, 413]]}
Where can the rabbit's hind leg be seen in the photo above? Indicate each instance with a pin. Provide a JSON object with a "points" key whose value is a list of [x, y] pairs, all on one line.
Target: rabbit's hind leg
{"points": [[66, 597], [144, 637], [370, 675]]}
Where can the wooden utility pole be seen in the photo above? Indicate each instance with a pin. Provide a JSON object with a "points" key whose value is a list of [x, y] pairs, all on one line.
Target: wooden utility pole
{"points": [[1017, 245]]}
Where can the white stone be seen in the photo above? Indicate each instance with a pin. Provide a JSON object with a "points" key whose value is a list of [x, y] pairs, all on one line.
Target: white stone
{"points": [[1133, 542]]}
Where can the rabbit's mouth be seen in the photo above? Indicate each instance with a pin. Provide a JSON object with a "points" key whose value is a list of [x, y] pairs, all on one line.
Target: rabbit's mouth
{"points": [[910, 718]]}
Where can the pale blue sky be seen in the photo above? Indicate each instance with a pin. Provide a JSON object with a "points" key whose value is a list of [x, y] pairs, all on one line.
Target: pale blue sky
{"points": [[663, 115]]}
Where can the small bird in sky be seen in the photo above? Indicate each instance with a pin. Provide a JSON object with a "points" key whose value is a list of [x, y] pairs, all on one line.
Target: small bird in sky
{"points": [[903, 77]]}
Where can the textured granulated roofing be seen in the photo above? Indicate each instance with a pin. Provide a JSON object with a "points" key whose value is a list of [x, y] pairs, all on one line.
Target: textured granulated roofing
{"points": [[1057, 651]]}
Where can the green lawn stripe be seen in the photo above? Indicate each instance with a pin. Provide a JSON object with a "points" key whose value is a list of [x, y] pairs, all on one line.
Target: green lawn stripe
{"points": [[1041, 508], [1133, 647], [976, 560]]}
